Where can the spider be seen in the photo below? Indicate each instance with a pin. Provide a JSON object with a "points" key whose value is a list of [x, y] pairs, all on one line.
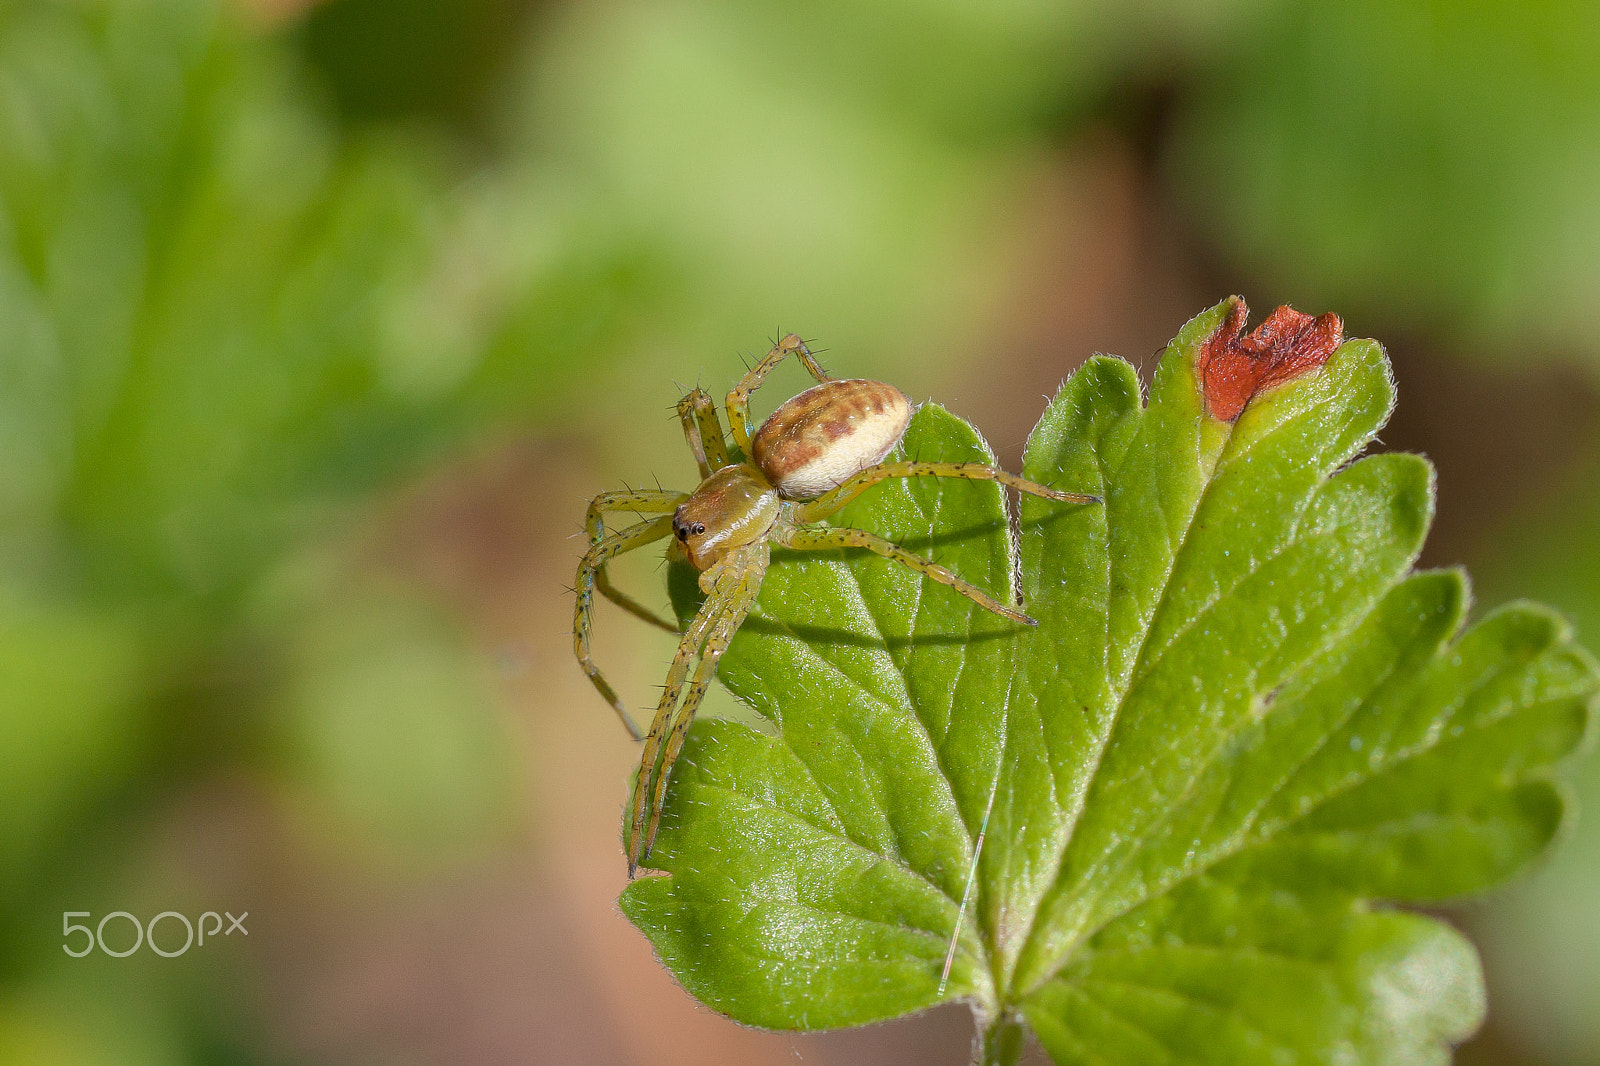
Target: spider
{"points": [[816, 453]]}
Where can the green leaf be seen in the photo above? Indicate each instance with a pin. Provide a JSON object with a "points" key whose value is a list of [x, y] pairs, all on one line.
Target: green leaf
{"points": [[1241, 721]]}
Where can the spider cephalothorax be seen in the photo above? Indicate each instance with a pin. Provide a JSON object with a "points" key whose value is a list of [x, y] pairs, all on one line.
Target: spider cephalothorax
{"points": [[733, 507], [816, 453]]}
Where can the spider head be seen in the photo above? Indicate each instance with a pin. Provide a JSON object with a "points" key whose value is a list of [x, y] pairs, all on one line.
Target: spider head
{"points": [[733, 507]]}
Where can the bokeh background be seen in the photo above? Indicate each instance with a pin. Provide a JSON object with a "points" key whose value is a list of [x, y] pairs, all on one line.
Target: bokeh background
{"points": [[320, 322]]}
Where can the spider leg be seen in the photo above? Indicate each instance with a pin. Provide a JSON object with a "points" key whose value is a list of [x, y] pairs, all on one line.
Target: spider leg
{"points": [[591, 570], [714, 608], [733, 593], [702, 429], [710, 654], [638, 501], [848, 537], [832, 500], [739, 398], [628, 501]]}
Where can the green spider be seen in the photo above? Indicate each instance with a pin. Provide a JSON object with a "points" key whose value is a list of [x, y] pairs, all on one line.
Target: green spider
{"points": [[816, 453]]}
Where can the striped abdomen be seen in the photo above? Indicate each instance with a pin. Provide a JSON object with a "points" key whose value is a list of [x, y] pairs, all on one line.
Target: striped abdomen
{"points": [[829, 433]]}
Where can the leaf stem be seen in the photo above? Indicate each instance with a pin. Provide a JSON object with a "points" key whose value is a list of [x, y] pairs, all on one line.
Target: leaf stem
{"points": [[999, 1040]]}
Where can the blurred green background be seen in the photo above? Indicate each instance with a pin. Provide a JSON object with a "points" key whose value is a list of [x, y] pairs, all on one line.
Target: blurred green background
{"points": [[319, 322]]}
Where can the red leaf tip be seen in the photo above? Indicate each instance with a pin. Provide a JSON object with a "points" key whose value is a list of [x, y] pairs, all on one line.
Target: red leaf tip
{"points": [[1233, 368]]}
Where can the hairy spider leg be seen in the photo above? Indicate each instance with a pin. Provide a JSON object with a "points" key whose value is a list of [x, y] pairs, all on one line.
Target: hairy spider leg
{"points": [[739, 397], [637, 501], [701, 428], [602, 549], [733, 592], [849, 537], [832, 500], [716, 643], [712, 611]]}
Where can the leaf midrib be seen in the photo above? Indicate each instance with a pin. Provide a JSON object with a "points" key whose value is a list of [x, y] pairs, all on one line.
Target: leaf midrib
{"points": [[1332, 639], [1081, 795], [1225, 456]]}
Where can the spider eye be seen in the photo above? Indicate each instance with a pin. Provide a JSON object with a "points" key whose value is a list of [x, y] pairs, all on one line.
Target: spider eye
{"points": [[697, 529], [683, 533]]}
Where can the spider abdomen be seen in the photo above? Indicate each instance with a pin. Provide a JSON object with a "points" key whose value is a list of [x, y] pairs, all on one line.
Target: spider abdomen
{"points": [[828, 434]]}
